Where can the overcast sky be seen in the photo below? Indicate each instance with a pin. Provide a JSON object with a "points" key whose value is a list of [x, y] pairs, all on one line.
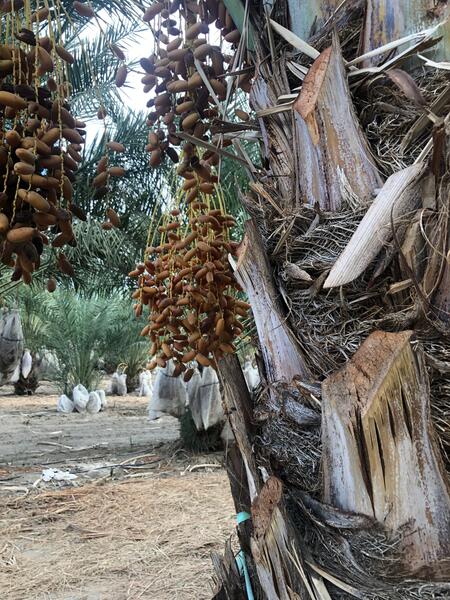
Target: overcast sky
{"points": [[132, 92]]}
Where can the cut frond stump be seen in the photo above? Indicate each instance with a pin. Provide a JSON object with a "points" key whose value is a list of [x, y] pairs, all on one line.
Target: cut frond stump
{"points": [[380, 455], [317, 150], [282, 357], [271, 544], [332, 129]]}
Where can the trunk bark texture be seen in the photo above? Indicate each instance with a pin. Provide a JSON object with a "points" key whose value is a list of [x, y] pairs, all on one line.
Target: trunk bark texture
{"points": [[341, 457], [386, 21]]}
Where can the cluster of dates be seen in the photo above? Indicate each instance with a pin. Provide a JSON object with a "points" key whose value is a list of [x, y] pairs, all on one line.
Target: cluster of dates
{"points": [[41, 141], [40, 145], [191, 293], [187, 75], [195, 310]]}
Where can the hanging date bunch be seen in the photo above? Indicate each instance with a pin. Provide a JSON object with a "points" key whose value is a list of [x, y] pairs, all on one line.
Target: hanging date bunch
{"points": [[195, 308], [188, 75], [107, 169], [195, 312], [105, 172], [41, 139]]}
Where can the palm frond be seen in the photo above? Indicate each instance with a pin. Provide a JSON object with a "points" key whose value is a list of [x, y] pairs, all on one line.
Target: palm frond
{"points": [[102, 259], [106, 10], [81, 329], [92, 74], [136, 192]]}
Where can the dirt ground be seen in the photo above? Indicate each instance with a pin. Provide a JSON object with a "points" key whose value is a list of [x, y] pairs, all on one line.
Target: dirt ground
{"points": [[32, 432], [139, 521]]}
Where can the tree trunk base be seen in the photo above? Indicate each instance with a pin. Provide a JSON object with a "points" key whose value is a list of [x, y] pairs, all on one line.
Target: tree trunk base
{"points": [[380, 456]]}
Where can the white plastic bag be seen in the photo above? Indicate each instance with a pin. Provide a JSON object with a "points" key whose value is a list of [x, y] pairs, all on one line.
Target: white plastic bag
{"points": [[169, 394], [192, 387], [57, 475], [193, 384], [205, 400], [154, 414], [11, 344], [122, 384], [210, 398], [141, 381], [49, 365], [16, 375], [226, 435], [27, 363], [118, 385], [251, 375], [113, 385], [65, 404], [94, 403], [80, 397], [145, 384], [103, 400], [145, 390]]}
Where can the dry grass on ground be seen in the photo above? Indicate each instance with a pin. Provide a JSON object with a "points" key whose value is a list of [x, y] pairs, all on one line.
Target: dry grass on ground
{"points": [[136, 524], [121, 540]]}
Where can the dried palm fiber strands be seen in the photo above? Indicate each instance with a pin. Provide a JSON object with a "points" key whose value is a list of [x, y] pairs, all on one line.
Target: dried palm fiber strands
{"points": [[121, 502]]}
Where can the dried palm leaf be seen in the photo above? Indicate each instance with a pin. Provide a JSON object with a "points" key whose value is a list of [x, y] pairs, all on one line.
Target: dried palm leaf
{"points": [[294, 40], [419, 36], [399, 195]]}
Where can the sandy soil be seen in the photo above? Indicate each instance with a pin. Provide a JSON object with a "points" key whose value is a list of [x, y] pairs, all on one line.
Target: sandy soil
{"points": [[139, 521], [32, 432]]}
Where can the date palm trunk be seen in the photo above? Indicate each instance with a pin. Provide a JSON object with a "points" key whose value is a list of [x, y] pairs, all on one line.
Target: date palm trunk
{"points": [[340, 465]]}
